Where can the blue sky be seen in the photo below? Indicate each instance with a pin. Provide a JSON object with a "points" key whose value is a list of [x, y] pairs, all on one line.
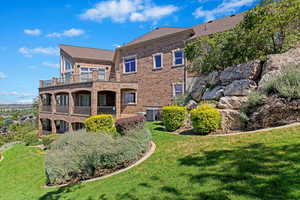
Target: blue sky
{"points": [[31, 31]]}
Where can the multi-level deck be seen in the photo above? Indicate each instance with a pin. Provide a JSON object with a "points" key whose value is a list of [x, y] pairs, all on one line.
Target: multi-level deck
{"points": [[66, 103]]}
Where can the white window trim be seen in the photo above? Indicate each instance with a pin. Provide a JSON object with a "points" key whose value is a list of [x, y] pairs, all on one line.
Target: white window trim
{"points": [[154, 61], [64, 62], [173, 56], [173, 88], [136, 64], [135, 103]]}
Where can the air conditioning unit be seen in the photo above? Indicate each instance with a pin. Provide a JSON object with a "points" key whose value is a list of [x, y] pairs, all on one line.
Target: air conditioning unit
{"points": [[153, 114]]}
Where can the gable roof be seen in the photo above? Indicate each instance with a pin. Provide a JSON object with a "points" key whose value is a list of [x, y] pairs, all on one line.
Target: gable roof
{"points": [[156, 33], [88, 53], [218, 25]]}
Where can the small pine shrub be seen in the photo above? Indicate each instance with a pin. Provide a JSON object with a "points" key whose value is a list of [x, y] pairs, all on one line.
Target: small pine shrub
{"points": [[31, 139], [48, 139], [205, 119], [256, 98], [101, 124], [173, 117]]}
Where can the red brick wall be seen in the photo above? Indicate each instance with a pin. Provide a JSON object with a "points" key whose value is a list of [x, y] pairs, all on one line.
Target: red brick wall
{"points": [[154, 86]]}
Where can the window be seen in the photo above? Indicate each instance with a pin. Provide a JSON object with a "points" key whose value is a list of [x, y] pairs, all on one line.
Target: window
{"points": [[129, 98], [178, 57], [102, 100], [130, 64], [83, 100], [68, 65], [101, 73], [157, 61], [178, 89]]}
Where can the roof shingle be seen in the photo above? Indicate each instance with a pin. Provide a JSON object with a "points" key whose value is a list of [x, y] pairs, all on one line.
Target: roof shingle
{"points": [[157, 33], [88, 53], [218, 25]]}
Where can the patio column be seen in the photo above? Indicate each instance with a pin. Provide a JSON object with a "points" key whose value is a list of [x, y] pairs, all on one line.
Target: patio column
{"points": [[40, 127], [70, 127], [53, 126], [118, 103], [53, 103], [71, 103], [94, 102]]}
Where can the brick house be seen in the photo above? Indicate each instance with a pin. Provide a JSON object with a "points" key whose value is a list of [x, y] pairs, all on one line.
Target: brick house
{"points": [[146, 73]]}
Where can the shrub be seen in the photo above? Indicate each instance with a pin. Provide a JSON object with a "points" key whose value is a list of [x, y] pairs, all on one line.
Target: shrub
{"points": [[48, 139], [205, 119], [31, 139], [173, 117], [101, 123], [256, 98], [287, 84], [81, 155], [127, 125]]}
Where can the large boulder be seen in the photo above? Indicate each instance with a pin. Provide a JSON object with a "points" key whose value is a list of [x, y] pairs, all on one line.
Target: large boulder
{"points": [[275, 112], [213, 78], [230, 120], [196, 87], [250, 70], [277, 62], [239, 88], [233, 102], [215, 94]]}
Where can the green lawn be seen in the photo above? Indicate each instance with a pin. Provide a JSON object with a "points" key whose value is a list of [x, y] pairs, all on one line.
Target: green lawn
{"points": [[251, 166]]}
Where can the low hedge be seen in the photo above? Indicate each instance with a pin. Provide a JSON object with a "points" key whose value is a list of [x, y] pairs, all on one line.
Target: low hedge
{"points": [[173, 117], [127, 125], [205, 119], [101, 124], [80, 155]]}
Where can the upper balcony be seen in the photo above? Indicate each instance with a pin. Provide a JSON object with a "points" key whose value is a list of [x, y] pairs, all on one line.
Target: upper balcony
{"points": [[75, 78]]}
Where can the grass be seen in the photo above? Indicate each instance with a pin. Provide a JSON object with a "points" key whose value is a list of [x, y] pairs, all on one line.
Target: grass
{"points": [[262, 165]]}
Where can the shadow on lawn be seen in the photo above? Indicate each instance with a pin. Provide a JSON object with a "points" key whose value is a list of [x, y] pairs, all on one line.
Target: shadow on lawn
{"points": [[255, 171]]}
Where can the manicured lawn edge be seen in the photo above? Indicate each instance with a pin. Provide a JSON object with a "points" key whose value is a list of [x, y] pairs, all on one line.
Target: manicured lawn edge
{"points": [[238, 133], [144, 158]]}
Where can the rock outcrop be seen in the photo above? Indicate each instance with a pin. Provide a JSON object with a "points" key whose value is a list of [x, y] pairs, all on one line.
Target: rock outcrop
{"points": [[233, 103], [215, 94], [249, 71], [277, 62], [275, 112], [231, 87], [239, 88]]}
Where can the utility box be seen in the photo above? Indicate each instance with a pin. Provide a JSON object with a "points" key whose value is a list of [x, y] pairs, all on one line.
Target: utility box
{"points": [[153, 114]]}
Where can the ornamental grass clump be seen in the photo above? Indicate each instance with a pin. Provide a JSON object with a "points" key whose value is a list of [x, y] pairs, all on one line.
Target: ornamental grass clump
{"points": [[81, 155], [101, 124], [205, 119], [173, 117], [287, 84]]}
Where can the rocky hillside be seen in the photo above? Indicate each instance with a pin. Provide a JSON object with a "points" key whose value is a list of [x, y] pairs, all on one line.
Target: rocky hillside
{"points": [[231, 87]]}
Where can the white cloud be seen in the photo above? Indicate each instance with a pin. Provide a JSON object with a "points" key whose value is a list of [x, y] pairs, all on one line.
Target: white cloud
{"points": [[28, 52], [127, 10], [2, 75], [67, 33], [225, 8], [34, 32], [53, 65]]}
